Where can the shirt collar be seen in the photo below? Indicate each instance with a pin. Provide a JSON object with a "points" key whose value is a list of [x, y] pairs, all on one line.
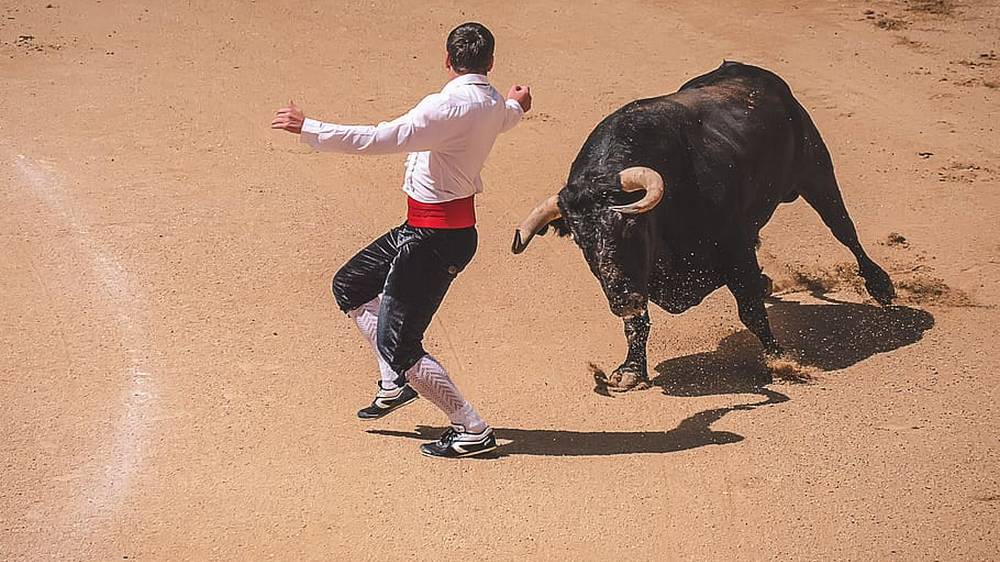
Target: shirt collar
{"points": [[466, 79]]}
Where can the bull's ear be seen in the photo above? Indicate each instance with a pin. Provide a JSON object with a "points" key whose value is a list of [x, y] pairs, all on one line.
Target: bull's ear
{"points": [[559, 225]]}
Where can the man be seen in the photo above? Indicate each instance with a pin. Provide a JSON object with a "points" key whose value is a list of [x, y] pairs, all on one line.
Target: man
{"points": [[393, 287]]}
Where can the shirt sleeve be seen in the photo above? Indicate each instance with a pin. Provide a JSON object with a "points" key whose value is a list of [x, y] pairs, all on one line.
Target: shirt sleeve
{"points": [[425, 127], [512, 116]]}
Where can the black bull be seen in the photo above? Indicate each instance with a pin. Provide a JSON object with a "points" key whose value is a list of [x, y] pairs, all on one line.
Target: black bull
{"points": [[667, 196]]}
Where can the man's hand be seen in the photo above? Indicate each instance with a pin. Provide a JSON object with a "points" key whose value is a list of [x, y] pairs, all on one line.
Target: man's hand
{"points": [[522, 95], [291, 118]]}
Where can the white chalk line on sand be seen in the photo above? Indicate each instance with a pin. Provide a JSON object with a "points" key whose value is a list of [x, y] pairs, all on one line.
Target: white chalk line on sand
{"points": [[101, 499]]}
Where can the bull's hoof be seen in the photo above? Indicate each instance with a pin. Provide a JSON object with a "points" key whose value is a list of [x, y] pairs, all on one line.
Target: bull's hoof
{"points": [[786, 367], [767, 285], [624, 380], [879, 286]]}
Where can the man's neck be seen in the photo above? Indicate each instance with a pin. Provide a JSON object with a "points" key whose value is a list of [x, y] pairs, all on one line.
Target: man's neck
{"points": [[453, 75]]}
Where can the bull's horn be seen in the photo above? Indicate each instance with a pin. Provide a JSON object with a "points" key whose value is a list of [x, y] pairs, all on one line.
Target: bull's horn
{"points": [[546, 212], [636, 179]]}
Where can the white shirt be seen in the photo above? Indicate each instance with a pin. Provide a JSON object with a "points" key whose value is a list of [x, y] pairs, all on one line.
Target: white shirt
{"points": [[448, 135]]}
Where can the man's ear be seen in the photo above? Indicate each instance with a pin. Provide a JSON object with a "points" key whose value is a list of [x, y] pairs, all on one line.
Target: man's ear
{"points": [[490, 67], [447, 61]]}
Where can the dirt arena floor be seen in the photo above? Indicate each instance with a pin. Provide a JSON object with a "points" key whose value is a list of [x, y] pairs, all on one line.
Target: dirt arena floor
{"points": [[177, 384]]}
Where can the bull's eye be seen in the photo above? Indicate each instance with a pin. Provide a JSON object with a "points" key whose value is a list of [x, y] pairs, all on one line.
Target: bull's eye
{"points": [[629, 228], [615, 221]]}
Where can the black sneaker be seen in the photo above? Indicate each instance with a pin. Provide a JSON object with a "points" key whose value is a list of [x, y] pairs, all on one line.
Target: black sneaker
{"points": [[456, 443], [388, 400]]}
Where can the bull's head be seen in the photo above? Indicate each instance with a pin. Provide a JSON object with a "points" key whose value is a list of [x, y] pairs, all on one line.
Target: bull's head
{"points": [[613, 238]]}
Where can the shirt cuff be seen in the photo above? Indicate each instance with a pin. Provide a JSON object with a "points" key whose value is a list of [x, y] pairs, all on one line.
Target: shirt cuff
{"points": [[312, 126], [512, 104], [311, 129]]}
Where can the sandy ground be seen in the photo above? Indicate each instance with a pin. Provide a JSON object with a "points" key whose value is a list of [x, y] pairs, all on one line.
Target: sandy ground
{"points": [[176, 383]]}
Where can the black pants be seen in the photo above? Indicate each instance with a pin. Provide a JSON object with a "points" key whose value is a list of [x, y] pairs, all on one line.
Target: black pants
{"points": [[412, 268]]}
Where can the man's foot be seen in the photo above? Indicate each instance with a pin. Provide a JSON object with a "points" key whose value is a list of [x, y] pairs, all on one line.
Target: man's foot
{"points": [[388, 400], [456, 443]]}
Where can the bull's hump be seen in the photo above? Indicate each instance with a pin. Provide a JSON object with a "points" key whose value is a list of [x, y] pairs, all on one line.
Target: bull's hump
{"points": [[728, 71]]}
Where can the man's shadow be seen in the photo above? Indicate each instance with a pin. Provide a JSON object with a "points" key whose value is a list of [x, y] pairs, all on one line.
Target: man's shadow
{"points": [[827, 336], [692, 432]]}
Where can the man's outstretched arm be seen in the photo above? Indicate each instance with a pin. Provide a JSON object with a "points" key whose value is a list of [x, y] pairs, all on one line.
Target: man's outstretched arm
{"points": [[422, 128]]}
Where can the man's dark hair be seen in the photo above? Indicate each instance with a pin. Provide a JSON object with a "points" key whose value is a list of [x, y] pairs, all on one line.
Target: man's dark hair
{"points": [[470, 47]]}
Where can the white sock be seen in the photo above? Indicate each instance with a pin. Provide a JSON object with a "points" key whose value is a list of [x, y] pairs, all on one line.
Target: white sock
{"points": [[431, 381], [366, 317]]}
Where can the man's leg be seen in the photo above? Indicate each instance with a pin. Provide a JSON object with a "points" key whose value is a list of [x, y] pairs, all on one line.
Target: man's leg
{"points": [[427, 263], [366, 318], [401, 339], [429, 379], [357, 287]]}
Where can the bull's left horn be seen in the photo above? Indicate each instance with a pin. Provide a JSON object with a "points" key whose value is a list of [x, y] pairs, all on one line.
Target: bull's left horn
{"points": [[637, 179], [546, 212]]}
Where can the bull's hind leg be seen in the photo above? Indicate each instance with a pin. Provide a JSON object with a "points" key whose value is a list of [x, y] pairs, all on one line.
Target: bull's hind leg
{"points": [[748, 286], [823, 194]]}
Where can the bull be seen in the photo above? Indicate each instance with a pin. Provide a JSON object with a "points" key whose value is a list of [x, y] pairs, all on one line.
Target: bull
{"points": [[667, 197]]}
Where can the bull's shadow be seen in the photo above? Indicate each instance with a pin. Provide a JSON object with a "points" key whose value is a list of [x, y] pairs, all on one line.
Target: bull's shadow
{"points": [[694, 431], [829, 336]]}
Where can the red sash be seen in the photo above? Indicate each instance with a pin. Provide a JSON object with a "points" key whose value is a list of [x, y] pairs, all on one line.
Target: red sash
{"points": [[460, 213]]}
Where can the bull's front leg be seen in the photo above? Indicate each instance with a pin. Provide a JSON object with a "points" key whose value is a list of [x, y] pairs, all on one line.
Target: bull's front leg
{"points": [[632, 373]]}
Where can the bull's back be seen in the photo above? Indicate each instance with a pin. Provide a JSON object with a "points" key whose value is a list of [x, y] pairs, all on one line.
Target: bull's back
{"points": [[733, 142], [750, 137]]}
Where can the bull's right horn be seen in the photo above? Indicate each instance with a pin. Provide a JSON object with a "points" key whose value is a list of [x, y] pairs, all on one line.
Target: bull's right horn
{"points": [[546, 212], [641, 178]]}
